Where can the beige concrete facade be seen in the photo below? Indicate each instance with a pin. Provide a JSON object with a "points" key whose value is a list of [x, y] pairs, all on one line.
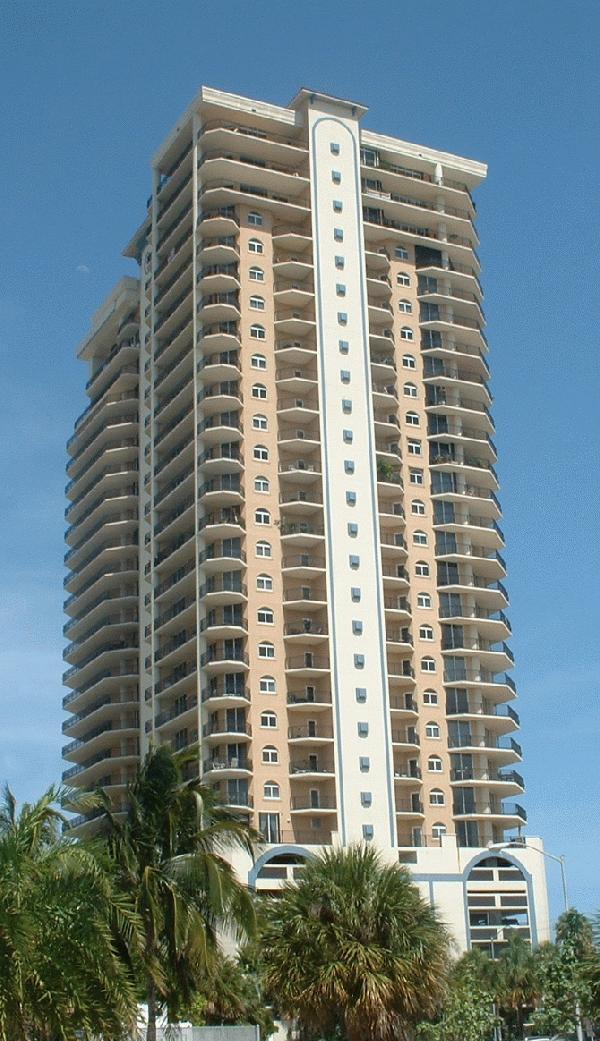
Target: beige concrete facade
{"points": [[284, 484]]}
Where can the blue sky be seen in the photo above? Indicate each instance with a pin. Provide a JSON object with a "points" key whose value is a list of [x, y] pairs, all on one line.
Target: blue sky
{"points": [[91, 88]]}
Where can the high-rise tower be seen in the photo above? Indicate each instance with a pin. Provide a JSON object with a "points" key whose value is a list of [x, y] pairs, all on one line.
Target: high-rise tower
{"points": [[284, 520]]}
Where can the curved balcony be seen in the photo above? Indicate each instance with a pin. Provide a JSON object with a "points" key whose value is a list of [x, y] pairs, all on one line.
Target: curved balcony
{"points": [[307, 804], [101, 659], [121, 622], [406, 739], [301, 505], [226, 458], [101, 735], [219, 590], [307, 664], [305, 633], [123, 598], [179, 614], [88, 772], [175, 553], [218, 766], [497, 783], [397, 607], [299, 351], [220, 427], [395, 578], [488, 563], [400, 673], [497, 719], [176, 649], [509, 816], [302, 534], [398, 639], [226, 730], [222, 657], [219, 557], [105, 682], [505, 750], [223, 624], [113, 524], [101, 584], [220, 249], [218, 307], [222, 365], [182, 713], [493, 625], [102, 709], [226, 694], [220, 189], [221, 490], [486, 654], [404, 704], [305, 598], [303, 565], [169, 347], [409, 808], [294, 325], [218, 338], [216, 397], [215, 221], [218, 278], [311, 699]]}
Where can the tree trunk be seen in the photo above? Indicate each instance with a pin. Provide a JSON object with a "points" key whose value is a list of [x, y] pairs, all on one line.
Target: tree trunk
{"points": [[151, 999]]}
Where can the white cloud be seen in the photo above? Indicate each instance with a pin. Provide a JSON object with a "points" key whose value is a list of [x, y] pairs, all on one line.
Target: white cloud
{"points": [[85, 270]]}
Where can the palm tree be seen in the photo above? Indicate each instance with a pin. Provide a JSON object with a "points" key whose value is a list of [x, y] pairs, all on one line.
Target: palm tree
{"points": [[170, 854], [353, 948], [59, 910], [516, 978]]}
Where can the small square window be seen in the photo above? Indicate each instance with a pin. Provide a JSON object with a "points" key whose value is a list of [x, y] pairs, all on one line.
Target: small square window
{"points": [[349, 466], [344, 346], [334, 148], [359, 663], [351, 498], [352, 530], [345, 375], [361, 694], [366, 798], [357, 627], [363, 729], [416, 477], [354, 562], [346, 406], [355, 594], [342, 318], [367, 832], [401, 253], [338, 206], [338, 234], [340, 289], [364, 764], [348, 437], [339, 263], [336, 177]]}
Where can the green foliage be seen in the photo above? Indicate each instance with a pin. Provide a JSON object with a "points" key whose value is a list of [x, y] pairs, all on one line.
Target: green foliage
{"points": [[170, 855], [232, 994], [59, 913], [569, 975], [352, 949]]}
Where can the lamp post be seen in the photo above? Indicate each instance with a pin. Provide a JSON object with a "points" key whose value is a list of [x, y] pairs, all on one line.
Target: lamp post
{"points": [[560, 859]]}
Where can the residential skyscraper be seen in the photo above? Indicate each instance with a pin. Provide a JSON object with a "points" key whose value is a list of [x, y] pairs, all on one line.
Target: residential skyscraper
{"points": [[284, 522]]}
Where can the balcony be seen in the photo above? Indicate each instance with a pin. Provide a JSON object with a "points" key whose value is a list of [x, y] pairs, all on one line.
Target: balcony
{"points": [[226, 695], [307, 664], [227, 766]]}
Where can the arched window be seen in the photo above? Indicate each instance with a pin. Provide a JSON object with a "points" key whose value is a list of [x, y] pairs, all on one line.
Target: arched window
{"points": [[430, 697], [425, 632], [259, 422], [270, 755], [266, 650], [417, 507], [409, 361], [267, 685], [255, 219], [268, 720], [264, 583], [255, 246], [261, 452], [265, 616], [405, 306], [263, 549], [436, 797], [258, 361], [434, 764], [256, 274], [419, 538], [261, 484], [423, 600], [403, 278], [271, 790], [257, 332], [432, 730], [257, 303], [438, 830], [422, 569], [259, 391], [406, 333], [262, 516], [427, 664], [410, 390], [412, 419]]}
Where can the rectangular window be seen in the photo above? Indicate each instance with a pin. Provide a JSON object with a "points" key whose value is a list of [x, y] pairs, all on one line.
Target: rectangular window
{"points": [[336, 177], [342, 318], [354, 562], [416, 477], [348, 437], [338, 235], [339, 263], [346, 406], [344, 346], [334, 148], [401, 253], [355, 594], [353, 530], [359, 663], [364, 764], [361, 694], [351, 498], [357, 627], [366, 798], [338, 206], [414, 447], [345, 375], [340, 289], [363, 729]]}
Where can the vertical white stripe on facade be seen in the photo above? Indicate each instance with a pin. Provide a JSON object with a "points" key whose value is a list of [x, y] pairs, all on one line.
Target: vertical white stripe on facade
{"points": [[332, 123]]}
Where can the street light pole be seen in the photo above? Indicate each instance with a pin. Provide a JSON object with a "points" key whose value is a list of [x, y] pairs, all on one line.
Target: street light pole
{"points": [[563, 874]]}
